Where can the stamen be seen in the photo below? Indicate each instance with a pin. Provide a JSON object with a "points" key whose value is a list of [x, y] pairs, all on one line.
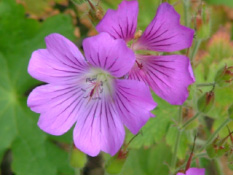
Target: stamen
{"points": [[140, 66], [94, 89], [138, 34], [96, 85]]}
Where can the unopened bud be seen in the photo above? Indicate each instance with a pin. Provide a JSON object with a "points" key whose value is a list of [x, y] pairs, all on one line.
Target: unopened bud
{"points": [[206, 102], [224, 76], [116, 163], [96, 13]]}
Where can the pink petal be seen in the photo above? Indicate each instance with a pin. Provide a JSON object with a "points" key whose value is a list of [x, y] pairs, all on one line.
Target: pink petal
{"points": [[59, 63], [58, 106], [120, 23], [169, 76], [180, 174], [195, 171], [165, 33], [134, 103], [99, 128], [109, 54]]}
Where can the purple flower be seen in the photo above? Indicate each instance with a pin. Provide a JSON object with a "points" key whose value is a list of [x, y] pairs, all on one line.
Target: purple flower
{"points": [[194, 171], [88, 92], [170, 75]]}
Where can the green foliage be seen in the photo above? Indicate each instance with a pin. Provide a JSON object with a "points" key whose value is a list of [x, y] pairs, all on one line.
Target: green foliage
{"points": [[220, 2], [206, 102], [149, 161], [156, 128], [18, 129], [184, 141], [78, 159], [230, 161], [215, 150], [230, 111], [115, 165]]}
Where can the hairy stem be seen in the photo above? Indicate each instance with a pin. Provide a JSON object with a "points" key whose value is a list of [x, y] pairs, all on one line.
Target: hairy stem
{"points": [[177, 143], [195, 49], [205, 84], [186, 12], [190, 121]]}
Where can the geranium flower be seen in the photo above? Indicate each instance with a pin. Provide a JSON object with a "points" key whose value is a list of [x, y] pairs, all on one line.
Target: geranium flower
{"points": [[170, 75], [87, 92], [193, 171]]}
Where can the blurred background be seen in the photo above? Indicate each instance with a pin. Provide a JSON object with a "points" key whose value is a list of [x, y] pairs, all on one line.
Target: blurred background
{"points": [[26, 150]]}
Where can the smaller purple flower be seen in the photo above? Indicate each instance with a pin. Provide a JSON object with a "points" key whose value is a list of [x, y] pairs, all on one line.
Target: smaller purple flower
{"points": [[193, 171], [88, 92], [168, 76]]}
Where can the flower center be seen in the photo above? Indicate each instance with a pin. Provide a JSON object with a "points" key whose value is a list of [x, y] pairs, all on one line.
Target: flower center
{"points": [[98, 83]]}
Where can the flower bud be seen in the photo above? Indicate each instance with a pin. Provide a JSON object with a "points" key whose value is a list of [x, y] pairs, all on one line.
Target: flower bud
{"points": [[96, 13], [116, 163], [224, 76], [206, 102], [77, 159]]}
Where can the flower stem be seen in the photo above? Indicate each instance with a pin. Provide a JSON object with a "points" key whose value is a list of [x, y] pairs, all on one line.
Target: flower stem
{"points": [[177, 143], [193, 159], [205, 84], [174, 158], [186, 12], [212, 137], [195, 49], [189, 121]]}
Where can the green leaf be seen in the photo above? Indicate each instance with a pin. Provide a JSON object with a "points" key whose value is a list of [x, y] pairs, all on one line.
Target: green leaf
{"points": [[78, 159], [184, 142], [156, 128], [148, 161], [59, 157], [230, 111], [218, 151], [212, 166], [1, 156], [18, 129]]}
